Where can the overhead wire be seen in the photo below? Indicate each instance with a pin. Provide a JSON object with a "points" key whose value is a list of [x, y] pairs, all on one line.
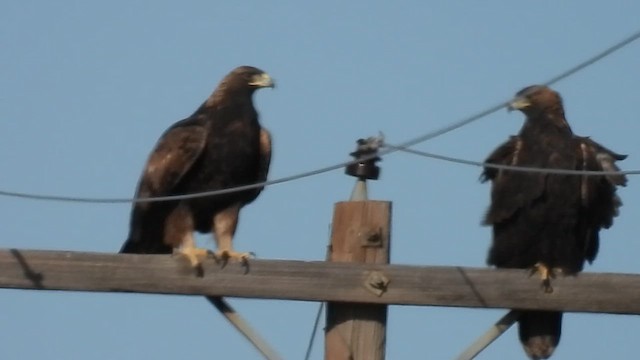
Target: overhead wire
{"points": [[428, 136], [528, 169], [563, 75]]}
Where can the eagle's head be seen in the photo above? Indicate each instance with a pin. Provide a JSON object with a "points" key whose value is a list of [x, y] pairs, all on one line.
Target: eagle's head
{"points": [[238, 87], [251, 77], [536, 99]]}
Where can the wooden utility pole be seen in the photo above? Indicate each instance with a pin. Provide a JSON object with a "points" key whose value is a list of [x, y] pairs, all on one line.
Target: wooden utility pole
{"points": [[360, 233]]}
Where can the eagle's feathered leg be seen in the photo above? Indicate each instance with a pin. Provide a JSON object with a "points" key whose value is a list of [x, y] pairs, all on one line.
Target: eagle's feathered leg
{"points": [[224, 227], [179, 235]]}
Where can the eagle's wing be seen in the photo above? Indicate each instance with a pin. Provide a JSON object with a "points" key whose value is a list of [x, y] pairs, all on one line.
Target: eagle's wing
{"points": [[606, 160], [265, 154], [511, 190], [174, 154], [505, 154], [598, 193]]}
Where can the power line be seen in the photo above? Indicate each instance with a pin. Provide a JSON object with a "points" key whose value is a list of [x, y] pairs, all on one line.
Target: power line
{"points": [[563, 75], [512, 167], [97, 200], [428, 136]]}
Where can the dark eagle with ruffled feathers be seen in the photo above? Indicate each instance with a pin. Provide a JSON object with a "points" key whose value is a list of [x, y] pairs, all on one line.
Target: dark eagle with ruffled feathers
{"points": [[548, 222], [221, 145]]}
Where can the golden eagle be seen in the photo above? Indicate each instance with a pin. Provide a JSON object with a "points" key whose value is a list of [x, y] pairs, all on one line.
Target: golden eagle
{"points": [[221, 145], [548, 222]]}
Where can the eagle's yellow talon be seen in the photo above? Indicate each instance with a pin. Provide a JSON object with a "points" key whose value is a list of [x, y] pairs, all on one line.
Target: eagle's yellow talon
{"points": [[546, 274], [226, 255]]}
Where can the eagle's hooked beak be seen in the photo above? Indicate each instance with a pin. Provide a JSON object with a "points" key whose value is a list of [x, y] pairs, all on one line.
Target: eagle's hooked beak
{"points": [[518, 103], [262, 80]]}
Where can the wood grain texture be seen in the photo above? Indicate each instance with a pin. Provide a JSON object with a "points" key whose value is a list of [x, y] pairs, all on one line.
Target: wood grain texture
{"points": [[318, 281], [360, 233]]}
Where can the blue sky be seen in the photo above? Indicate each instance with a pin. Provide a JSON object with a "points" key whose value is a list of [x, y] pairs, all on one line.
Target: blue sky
{"points": [[87, 88]]}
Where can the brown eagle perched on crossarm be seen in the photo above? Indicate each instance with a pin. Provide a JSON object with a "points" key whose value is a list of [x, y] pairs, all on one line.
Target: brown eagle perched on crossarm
{"points": [[549, 223], [221, 145]]}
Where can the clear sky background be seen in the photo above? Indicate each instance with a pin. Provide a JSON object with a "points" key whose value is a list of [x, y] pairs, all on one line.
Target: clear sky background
{"points": [[87, 87]]}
